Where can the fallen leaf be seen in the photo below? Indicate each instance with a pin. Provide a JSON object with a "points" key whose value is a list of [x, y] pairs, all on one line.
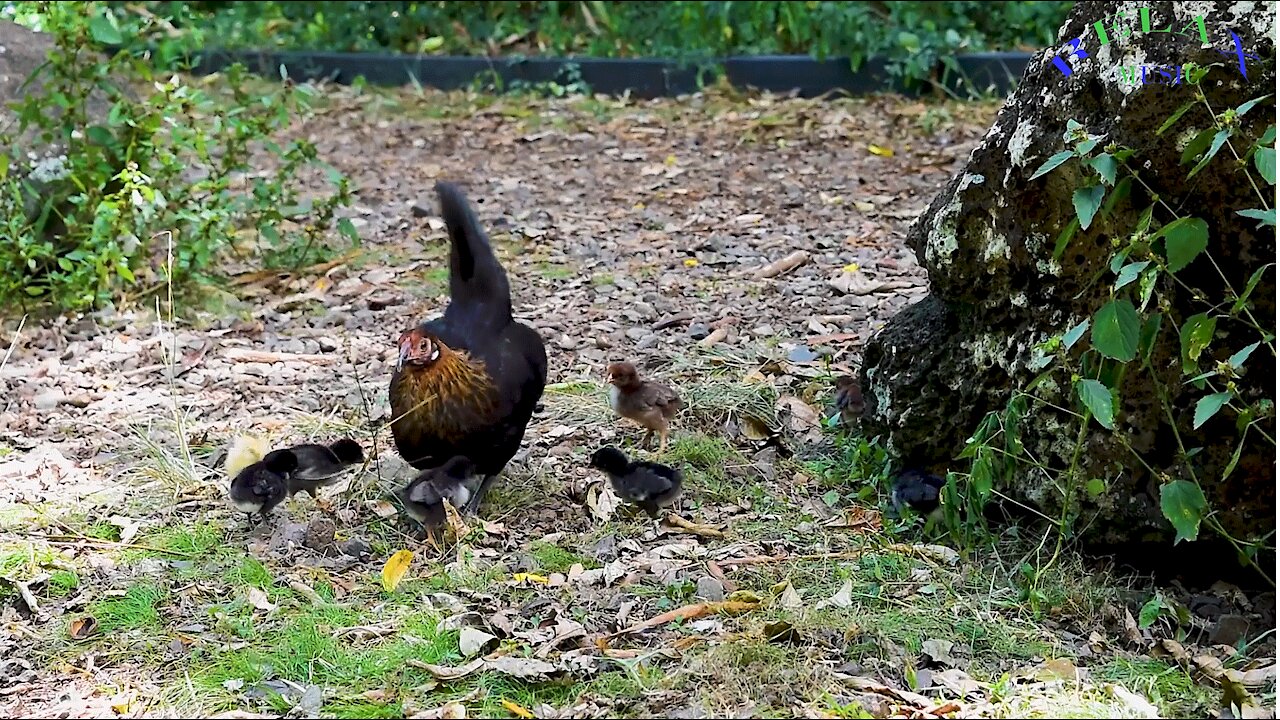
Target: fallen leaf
{"points": [[690, 262], [448, 711], [602, 501], [1135, 702], [517, 710], [958, 681], [128, 527], [842, 599], [81, 628], [850, 268], [938, 651], [455, 528], [382, 509], [258, 599], [444, 672], [520, 667], [529, 577], [472, 641], [1056, 669], [691, 612], [397, 565]]}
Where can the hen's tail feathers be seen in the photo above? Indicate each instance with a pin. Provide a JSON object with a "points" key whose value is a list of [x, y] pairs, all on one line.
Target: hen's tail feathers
{"points": [[245, 451], [478, 286]]}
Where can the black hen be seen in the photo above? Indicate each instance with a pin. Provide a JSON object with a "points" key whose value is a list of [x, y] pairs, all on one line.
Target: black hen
{"points": [[261, 486], [321, 465], [917, 490], [424, 496], [467, 383], [649, 485]]}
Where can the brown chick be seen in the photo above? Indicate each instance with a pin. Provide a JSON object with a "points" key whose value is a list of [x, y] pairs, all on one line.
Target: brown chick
{"points": [[849, 398], [648, 403]]}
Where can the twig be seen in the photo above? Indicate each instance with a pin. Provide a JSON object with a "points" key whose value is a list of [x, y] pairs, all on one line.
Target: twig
{"points": [[13, 343], [263, 356], [82, 540], [694, 528], [307, 592], [783, 265], [24, 588]]}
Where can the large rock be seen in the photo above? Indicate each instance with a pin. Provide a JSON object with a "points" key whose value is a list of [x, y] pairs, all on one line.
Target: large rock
{"points": [[988, 244]]}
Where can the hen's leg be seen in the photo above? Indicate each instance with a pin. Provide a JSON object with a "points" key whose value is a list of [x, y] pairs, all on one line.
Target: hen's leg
{"points": [[473, 504]]}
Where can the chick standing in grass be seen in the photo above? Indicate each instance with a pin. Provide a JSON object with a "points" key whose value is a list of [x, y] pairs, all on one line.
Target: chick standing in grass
{"points": [[849, 400], [321, 465], [649, 403], [649, 485], [260, 479], [424, 496]]}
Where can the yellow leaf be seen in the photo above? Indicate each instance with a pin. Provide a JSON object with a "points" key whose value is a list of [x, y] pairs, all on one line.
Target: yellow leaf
{"points": [[521, 577], [690, 262], [638, 206], [516, 710], [851, 267], [881, 151], [397, 565], [671, 160]]}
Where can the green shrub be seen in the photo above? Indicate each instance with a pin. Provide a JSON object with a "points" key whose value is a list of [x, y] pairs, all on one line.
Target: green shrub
{"points": [[155, 182]]}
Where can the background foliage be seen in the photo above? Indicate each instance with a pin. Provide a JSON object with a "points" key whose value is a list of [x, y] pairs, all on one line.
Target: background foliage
{"points": [[912, 36]]}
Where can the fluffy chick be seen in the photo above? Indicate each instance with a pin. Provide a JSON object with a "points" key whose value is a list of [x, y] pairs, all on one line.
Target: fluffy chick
{"points": [[917, 490], [648, 403], [424, 496], [260, 486], [849, 400], [321, 465], [649, 485]]}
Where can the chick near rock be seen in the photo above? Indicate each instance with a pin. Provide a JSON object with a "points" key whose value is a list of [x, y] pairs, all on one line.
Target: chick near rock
{"points": [[650, 404], [424, 496], [849, 400], [917, 490], [648, 485], [260, 481]]}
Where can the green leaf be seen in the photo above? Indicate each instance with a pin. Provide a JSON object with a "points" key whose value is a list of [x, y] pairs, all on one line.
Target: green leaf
{"points": [[831, 497], [1264, 217], [1183, 503], [1085, 147], [1150, 612], [1175, 117], [1064, 238], [1195, 335], [103, 30], [1207, 407], [1147, 285], [1197, 145], [1184, 239], [1097, 398], [1237, 360], [1130, 272], [1246, 107], [1075, 333], [1150, 331], [348, 230], [1052, 163], [1218, 141], [1095, 487], [1087, 201], [1106, 167], [432, 44], [1115, 330], [1265, 161]]}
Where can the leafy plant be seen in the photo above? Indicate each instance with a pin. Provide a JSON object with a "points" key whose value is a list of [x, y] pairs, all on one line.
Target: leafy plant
{"points": [[1144, 305], [146, 166]]}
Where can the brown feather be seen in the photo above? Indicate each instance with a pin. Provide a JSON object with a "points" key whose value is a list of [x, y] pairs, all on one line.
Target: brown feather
{"points": [[447, 398]]}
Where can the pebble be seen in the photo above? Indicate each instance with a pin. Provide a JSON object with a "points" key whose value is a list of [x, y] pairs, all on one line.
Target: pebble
{"points": [[762, 330], [327, 344], [255, 368], [698, 331], [636, 333], [48, 400], [355, 547], [709, 589], [647, 341]]}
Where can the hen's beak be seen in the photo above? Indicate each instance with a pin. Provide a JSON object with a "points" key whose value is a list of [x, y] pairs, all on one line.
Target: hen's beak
{"points": [[406, 349]]}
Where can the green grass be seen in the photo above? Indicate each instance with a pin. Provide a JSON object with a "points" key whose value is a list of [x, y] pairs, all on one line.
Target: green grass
{"points": [[190, 542], [134, 610], [553, 558], [1174, 692]]}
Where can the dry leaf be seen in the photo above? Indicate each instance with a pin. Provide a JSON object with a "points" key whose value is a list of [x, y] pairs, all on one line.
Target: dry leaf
{"points": [[842, 599], [448, 711], [444, 672], [881, 151], [258, 599], [516, 710], [691, 612], [397, 565], [382, 509], [520, 667], [472, 641], [454, 527], [790, 598], [602, 501], [81, 628], [529, 577], [690, 262]]}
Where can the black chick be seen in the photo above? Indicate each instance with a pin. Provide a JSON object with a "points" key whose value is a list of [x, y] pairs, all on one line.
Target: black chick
{"points": [[649, 485], [321, 465], [424, 496], [918, 490], [261, 486], [849, 399]]}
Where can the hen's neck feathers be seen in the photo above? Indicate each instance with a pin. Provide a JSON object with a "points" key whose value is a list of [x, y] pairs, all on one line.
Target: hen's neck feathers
{"points": [[448, 396]]}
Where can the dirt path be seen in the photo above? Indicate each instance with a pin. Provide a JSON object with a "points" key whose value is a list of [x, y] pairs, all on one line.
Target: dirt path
{"points": [[629, 231]]}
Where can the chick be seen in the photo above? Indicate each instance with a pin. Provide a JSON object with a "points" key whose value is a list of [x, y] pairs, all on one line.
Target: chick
{"points": [[649, 485], [918, 490], [262, 485], [849, 400], [321, 465], [648, 403], [424, 496]]}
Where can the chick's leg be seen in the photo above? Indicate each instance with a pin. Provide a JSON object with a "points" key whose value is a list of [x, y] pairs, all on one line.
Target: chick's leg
{"points": [[473, 504], [662, 441]]}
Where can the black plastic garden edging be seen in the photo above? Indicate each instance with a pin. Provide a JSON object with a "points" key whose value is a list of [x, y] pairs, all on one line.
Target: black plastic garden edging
{"points": [[969, 75]]}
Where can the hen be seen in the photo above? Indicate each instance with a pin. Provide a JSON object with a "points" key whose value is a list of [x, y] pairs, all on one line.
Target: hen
{"points": [[646, 402], [467, 383]]}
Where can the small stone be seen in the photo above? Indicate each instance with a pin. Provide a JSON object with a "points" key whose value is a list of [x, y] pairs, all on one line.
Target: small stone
{"points": [[319, 534], [255, 368], [698, 331], [48, 400], [762, 330], [355, 547], [636, 333], [709, 589], [420, 209], [327, 344], [647, 341], [1228, 630], [603, 342]]}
